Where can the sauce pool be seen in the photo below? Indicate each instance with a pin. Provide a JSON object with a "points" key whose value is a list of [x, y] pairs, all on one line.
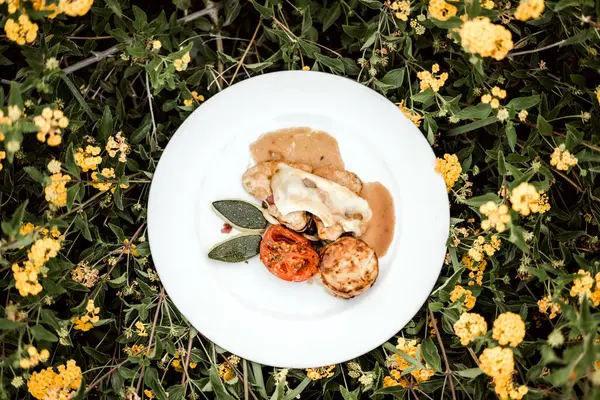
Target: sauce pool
{"points": [[380, 229]]}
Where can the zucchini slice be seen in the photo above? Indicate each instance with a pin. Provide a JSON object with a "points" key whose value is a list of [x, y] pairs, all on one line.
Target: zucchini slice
{"points": [[236, 249], [243, 216]]}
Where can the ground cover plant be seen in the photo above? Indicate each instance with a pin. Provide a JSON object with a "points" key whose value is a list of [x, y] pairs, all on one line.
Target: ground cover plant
{"points": [[505, 92]]}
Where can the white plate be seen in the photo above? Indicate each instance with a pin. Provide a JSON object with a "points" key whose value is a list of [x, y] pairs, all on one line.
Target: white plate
{"points": [[244, 308]]}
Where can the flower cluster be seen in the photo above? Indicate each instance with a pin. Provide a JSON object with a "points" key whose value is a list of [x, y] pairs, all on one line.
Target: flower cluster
{"points": [[88, 159], [476, 269], [33, 357], [414, 116], [85, 275], [583, 287], [525, 199], [562, 159], [21, 30], [546, 304], [498, 363], [176, 363], [509, 328], [468, 326], [26, 276], [401, 9], [493, 98], [476, 252], [529, 9], [441, 10], [87, 321], [75, 8], [56, 190], [355, 371], [181, 64], [225, 369], [466, 295], [430, 80], [49, 124], [61, 385], [118, 144], [497, 216], [481, 36], [195, 97], [141, 329], [104, 185], [399, 364], [321, 372], [2, 157], [450, 169]]}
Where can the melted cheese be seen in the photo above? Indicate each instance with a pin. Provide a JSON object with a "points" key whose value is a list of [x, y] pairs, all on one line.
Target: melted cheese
{"points": [[297, 190]]}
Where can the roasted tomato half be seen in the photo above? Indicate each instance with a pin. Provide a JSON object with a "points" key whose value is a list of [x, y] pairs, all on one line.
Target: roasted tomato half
{"points": [[288, 255]]}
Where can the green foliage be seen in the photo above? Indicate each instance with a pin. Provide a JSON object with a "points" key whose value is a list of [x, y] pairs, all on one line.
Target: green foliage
{"points": [[114, 77]]}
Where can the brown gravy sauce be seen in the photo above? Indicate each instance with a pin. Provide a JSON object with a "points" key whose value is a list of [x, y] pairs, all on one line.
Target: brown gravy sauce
{"points": [[380, 230], [319, 149], [301, 145]]}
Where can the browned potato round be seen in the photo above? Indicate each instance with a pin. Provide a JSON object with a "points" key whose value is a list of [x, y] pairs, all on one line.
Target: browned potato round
{"points": [[342, 177], [348, 267]]}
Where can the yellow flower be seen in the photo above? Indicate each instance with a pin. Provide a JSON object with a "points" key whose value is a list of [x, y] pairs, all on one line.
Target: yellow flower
{"points": [[546, 303], [423, 374], [197, 97], [148, 393], [22, 30], [188, 102], [118, 144], [321, 372], [583, 287], [14, 113], [2, 157], [523, 115], [156, 45], [429, 79], [103, 186], [75, 8], [598, 94], [450, 169], [486, 98], [414, 116], [61, 385], [543, 205], [524, 199], [13, 5], [85, 275], [481, 36], [394, 380], [505, 388], [49, 124], [493, 246], [499, 93], [141, 329], [497, 362], [468, 326], [488, 4], [88, 159], [306, 68], [54, 166], [562, 159], [458, 292], [181, 64], [401, 9], [509, 329], [87, 321], [497, 217], [129, 248], [56, 191], [40, 5], [529, 9], [441, 10]]}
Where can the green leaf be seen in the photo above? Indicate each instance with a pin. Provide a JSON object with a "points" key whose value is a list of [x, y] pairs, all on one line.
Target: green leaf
{"points": [[430, 354], [35, 174], [522, 103], [231, 9], [141, 20], [470, 372], [84, 105], [106, 124], [176, 392], [115, 7], [82, 224], [266, 12], [41, 333], [334, 63], [348, 395], [562, 4], [118, 282], [332, 15], [11, 228], [394, 78], [501, 163], [95, 354], [517, 237], [372, 4], [476, 112], [479, 200], [451, 23], [217, 384], [356, 32], [543, 126], [511, 135], [369, 42], [182, 4], [14, 95], [8, 325], [472, 126], [292, 394]]}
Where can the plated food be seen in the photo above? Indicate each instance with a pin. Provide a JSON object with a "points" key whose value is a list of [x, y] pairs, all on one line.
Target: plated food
{"points": [[315, 218]]}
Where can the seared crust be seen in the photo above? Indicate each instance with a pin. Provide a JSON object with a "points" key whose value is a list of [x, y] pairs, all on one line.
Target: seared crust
{"points": [[342, 177], [348, 267], [257, 179]]}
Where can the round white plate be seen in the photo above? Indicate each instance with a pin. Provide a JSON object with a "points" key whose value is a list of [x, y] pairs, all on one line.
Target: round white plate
{"points": [[244, 308]]}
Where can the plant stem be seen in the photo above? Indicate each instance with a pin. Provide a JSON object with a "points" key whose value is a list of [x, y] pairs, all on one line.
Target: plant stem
{"points": [[448, 371], [239, 64]]}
